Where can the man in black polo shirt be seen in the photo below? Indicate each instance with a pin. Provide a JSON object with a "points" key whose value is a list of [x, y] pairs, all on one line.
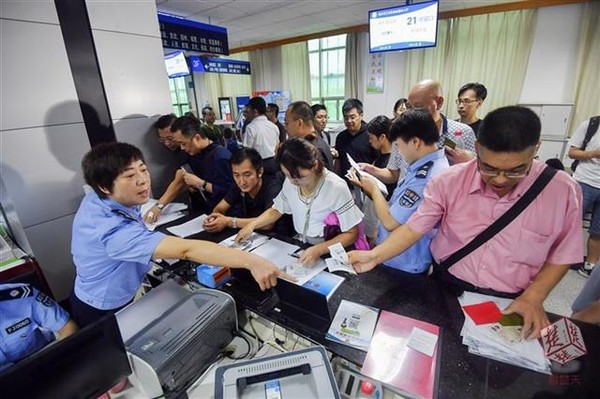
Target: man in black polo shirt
{"points": [[248, 198], [354, 140]]}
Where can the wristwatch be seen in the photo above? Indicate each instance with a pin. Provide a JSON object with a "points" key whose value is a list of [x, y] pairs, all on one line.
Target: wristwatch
{"points": [[160, 206]]}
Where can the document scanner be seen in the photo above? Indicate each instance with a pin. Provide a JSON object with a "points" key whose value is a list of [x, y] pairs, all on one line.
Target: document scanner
{"points": [[303, 374], [173, 335]]}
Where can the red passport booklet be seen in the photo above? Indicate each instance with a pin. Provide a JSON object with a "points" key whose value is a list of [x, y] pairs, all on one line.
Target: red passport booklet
{"points": [[392, 362], [483, 313]]}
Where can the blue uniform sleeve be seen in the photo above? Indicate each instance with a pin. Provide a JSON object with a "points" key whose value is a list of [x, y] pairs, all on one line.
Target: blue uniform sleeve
{"points": [[47, 313], [130, 240]]}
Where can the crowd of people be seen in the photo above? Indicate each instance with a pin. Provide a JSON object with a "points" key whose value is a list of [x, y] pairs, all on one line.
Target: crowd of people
{"points": [[448, 183]]}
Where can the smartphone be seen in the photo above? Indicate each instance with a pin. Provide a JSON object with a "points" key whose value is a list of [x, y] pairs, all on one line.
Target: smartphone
{"points": [[449, 143], [187, 168]]}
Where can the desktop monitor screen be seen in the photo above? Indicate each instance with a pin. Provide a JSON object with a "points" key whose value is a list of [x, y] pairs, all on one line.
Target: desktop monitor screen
{"points": [[404, 27], [176, 64], [83, 365]]}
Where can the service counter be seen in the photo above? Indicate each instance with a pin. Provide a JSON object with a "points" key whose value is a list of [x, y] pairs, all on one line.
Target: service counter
{"points": [[460, 374]]}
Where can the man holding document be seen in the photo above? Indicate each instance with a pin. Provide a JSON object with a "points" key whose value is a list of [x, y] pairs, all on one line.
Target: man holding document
{"points": [[524, 258]]}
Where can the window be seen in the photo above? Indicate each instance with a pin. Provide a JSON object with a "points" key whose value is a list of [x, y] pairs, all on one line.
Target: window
{"points": [[179, 95], [327, 57]]}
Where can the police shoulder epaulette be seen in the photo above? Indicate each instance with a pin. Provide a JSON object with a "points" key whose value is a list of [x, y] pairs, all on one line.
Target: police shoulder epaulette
{"points": [[423, 171], [22, 291]]}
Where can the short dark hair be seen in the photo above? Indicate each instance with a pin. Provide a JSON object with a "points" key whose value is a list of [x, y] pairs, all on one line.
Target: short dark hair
{"points": [[400, 102], [165, 121], [509, 129], [258, 104], [301, 110], [478, 88], [274, 107], [379, 125], [189, 127], [206, 109], [228, 133], [318, 107], [351, 103], [296, 153], [241, 154], [105, 162], [415, 122]]}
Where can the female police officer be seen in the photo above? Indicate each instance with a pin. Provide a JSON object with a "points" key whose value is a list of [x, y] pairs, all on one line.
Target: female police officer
{"points": [[112, 247]]}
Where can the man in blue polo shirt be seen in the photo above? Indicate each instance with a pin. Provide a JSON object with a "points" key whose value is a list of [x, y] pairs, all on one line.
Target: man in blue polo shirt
{"points": [[29, 320], [112, 247], [415, 135]]}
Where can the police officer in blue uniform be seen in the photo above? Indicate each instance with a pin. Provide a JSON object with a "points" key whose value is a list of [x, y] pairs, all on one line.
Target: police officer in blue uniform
{"points": [[112, 246], [29, 320], [415, 135]]}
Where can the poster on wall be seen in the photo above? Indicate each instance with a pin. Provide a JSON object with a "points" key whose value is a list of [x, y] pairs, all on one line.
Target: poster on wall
{"points": [[280, 97], [375, 73]]}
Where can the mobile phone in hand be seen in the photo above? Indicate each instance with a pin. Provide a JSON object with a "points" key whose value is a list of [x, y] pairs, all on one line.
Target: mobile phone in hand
{"points": [[448, 142]]}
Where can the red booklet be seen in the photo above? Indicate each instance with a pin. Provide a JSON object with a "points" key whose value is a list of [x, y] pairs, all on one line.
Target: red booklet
{"points": [[392, 362]]}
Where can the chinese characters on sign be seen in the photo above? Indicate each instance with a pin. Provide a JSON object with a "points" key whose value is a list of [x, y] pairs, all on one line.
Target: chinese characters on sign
{"points": [[218, 65], [183, 34]]}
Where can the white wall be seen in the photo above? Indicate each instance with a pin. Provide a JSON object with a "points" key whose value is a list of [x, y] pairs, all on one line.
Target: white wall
{"points": [[550, 73], [42, 135], [551, 70]]}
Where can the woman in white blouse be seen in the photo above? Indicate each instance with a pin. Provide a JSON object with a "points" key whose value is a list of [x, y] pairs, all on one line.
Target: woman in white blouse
{"points": [[310, 193]]}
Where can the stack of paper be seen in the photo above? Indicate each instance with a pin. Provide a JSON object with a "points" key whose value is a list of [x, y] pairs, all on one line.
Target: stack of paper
{"points": [[189, 228], [487, 333], [170, 212], [353, 325], [282, 254]]}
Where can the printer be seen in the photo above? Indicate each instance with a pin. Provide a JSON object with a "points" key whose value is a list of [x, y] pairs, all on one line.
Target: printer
{"points": [[173, 335]]}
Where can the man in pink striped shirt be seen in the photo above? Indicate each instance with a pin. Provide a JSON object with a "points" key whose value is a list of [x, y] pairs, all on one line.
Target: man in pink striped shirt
{"points": [[529, 256]]}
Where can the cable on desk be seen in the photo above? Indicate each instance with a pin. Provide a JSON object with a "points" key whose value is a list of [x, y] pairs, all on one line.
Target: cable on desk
{"points": [[237, 334]]}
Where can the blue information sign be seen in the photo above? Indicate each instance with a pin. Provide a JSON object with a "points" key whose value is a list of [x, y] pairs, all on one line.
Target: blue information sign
{"points": [[219, 65], [183, 34]]}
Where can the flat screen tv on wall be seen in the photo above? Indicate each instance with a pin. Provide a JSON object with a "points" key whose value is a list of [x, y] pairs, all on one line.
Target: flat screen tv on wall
{"points": [[406, 27]]}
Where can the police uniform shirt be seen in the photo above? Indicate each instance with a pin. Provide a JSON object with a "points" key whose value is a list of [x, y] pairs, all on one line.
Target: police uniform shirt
{"points": [[405, 200], [111, 249], [28, 319]]}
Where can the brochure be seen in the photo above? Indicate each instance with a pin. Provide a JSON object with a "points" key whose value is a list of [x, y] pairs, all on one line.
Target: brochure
{"points": [[353, 325]]}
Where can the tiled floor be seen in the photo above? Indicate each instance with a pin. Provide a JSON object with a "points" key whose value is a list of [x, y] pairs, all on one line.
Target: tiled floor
{"points": [[562, 296]]}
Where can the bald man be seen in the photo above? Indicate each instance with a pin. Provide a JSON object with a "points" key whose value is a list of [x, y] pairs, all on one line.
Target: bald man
{"points": [[428, 94]]}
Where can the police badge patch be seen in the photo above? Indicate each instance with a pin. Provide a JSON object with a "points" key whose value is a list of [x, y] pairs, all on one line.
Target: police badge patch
{"points": [[45, 300], [408, 198]]}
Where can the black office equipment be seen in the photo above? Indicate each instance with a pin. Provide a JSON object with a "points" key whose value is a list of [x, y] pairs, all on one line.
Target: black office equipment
{"points": [[83, 365]]}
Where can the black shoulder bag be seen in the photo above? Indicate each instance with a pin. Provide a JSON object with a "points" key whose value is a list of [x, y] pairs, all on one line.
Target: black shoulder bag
{"points": [[591, 130]]}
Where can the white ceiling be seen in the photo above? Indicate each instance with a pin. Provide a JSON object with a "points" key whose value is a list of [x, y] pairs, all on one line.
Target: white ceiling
{"points": [[251, 22]]}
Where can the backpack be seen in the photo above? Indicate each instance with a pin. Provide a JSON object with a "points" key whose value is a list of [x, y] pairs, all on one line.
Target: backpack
{"points": [[591, 130]]}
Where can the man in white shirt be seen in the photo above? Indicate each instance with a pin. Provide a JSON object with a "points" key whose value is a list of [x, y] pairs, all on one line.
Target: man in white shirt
{"points": [[587, 175], [261, 134]]}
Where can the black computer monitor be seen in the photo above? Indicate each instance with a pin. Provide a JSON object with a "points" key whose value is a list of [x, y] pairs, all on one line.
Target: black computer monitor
{"points": [[83, 365]]}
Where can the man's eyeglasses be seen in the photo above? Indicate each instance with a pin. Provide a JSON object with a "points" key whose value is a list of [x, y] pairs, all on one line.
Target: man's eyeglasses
{"points": [[466, 101], [493, 172], [165, 140]]}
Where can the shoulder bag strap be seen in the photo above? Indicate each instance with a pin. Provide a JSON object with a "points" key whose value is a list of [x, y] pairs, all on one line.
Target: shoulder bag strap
{"points": [[591, 130], [504, 220]]}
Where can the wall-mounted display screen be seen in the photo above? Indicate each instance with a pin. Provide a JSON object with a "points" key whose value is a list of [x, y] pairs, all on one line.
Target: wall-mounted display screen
{"points": [[176, 64], [404, 27]]}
